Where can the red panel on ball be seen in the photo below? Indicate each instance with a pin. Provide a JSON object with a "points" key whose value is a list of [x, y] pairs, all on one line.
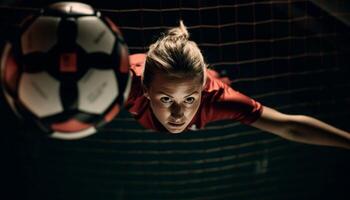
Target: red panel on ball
{"points": [[124, 60], [11, 74], [113, 26], [71, 125], [68, 62], [112, 113]]}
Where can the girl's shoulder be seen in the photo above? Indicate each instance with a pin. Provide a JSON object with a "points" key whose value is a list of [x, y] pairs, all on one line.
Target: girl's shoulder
{"points": [[214, 82], [137, 63]]}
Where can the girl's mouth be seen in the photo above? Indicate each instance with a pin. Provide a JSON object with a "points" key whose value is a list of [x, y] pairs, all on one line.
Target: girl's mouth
{"points": [[176, 124]]}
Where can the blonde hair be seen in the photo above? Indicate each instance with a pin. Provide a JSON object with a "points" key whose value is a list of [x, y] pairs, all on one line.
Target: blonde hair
{"points": [[175, 55]]}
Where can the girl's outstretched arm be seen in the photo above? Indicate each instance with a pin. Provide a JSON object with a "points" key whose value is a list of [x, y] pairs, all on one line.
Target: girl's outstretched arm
{"points": [[300, 128]]}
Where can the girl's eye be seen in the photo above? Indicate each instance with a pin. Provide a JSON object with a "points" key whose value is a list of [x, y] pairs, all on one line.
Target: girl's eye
{"points": [[189, 100], [165, 100]]}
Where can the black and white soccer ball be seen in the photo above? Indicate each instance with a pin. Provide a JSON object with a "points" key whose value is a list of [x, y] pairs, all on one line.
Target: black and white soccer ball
{"points": [[67, 71]]}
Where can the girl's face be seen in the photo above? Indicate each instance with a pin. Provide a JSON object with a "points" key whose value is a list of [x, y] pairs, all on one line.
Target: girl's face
{"points": [[174, 102]]}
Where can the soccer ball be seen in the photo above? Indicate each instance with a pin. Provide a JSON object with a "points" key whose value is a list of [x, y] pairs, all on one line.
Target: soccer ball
{"points": [[67, 71]]}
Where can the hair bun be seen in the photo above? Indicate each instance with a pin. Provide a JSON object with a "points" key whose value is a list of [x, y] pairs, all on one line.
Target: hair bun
{"points": [[179, 32]]}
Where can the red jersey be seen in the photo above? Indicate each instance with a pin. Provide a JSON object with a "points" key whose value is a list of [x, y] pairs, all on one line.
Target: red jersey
{"points": [[219, 101]]}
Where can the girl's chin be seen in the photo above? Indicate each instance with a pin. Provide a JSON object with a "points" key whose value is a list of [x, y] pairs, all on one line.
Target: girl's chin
{"points": [[175, 129]]}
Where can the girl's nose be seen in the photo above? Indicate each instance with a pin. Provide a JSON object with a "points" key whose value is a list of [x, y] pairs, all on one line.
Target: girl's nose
{"points": [[176, 111]]}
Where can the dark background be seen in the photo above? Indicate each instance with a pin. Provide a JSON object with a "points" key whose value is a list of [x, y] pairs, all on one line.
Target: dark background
{"points": [[289, 55]]}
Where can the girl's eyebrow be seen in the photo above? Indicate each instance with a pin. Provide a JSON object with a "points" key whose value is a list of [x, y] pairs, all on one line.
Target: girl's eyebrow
{"points": [[194, 92], [165, 94]]}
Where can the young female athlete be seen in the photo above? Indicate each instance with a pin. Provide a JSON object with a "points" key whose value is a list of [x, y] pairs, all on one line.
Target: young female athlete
{"points": [[172, 90]]}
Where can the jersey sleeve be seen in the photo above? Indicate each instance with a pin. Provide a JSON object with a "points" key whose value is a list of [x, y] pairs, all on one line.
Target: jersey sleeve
{"points": [[225, 103]]}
